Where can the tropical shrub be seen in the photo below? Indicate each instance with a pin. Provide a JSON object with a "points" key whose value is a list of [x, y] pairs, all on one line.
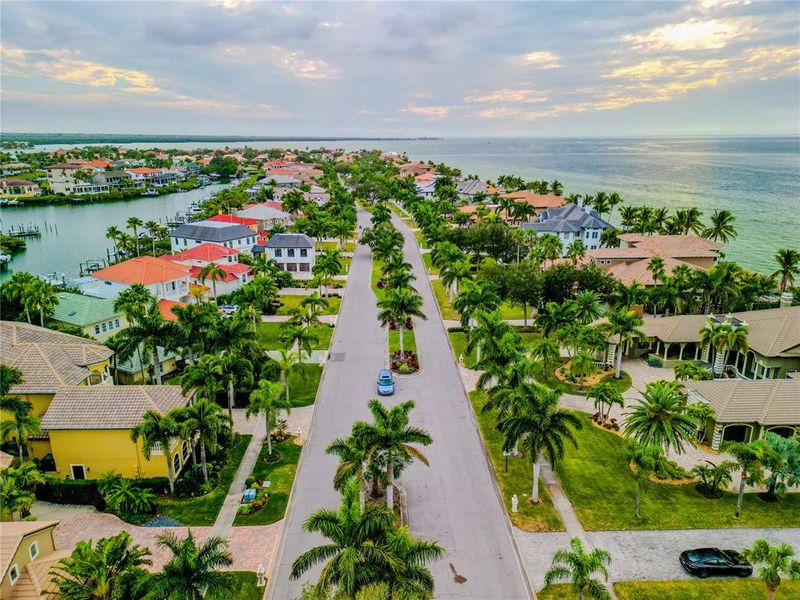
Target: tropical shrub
{"points": [[654, 361]]}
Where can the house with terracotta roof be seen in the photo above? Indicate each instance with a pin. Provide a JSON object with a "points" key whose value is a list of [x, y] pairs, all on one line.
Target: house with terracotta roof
{"points": [[747, 410], [415, 168], [163, 278], [537, 201], [251, 223], [18, 188], [200, 256], [27, 553]]}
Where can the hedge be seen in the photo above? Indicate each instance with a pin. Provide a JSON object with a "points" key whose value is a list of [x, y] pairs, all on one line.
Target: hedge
{"points": [[84, 491]]}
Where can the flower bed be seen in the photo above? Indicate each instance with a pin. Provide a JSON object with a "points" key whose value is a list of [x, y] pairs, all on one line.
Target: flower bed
{"points": [[405, 363], [260, 501]]}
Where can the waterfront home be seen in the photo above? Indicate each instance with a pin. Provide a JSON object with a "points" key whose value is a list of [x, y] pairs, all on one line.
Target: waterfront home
{"points": [[294, 252], [113, 179], [538, 201], [143, 176], [569, 223], [317, 195], [266, 215], [14, 168], [95, 317], [628, 263], [773, 339], [18, 188], [426, 189], [89, 432], [251, 223], [63, 169], [71, 186], [230, 235], [416, 168], [164, 279], [200, 256], [27, 554], [469, 188], [746, 410], [278, 180]]}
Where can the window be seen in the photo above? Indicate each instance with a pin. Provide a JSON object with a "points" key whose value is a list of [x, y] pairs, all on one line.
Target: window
{"points": [[116, 323], [104, 327], [303, 253], [186, 449], [157, 449], [230, 259], [13, 574], [173, 286], [594, 235], [97, 328], [290, 253], [184, 241], [176, 462], [278, 252], [291, 267], [33, 550], [304, 267]]}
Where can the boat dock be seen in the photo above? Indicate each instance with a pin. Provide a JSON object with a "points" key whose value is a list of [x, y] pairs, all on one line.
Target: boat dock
{"points": [[23, 231]]}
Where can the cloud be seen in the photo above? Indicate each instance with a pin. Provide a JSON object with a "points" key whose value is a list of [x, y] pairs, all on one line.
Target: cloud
{"points": [[507, 95], [432, 112], [63, 65], [542, 59], [693, 34], [295, 63]]}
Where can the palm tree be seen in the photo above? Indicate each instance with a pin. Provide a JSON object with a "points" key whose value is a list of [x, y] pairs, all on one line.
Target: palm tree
{"points": [[134, 223], [152, 228], [14, 496], [656, 267], [268, 399], [390, 434], [286, 362], [688, 219], [113, 568], [721, 228], [132, 303], [411, 578], [125, 497], [546, 350], [193, 572], [582, 366], [587, 306], [22, 424], [299, 336], [157, 431], [576, 251], [605, 396], [772, 563], [150, 329], [660, 417], [453, 274], [556, 187], [489, 335], [113, 233], [353, 464], [751, 459], [41, 297], [609, 238], [645, 460], [475, 297], [398, 306], [213, 272], [202, 421], [624, 324], [205, 376], [541, 426], [788, 266], [236, 369], [356, 554], [550, 247], [579, 566], [554, 316]]}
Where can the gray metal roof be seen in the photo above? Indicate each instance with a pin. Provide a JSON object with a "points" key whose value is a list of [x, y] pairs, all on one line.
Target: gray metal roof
{"points": [[569, 217], [212, 231], [290, 240]]}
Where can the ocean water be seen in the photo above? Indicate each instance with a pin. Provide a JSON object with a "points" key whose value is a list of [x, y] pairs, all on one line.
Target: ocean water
{"points": [[756, 178]]}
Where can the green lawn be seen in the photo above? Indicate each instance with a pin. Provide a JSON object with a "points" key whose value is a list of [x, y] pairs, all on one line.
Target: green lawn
{"points": [[203, 510], [409, 342], [727, 589], [556, 591], [448, 313], [303, 384], [280, 474], [565, 387], [426, 258], [459, 341], [290, 302], [541, 517], [349, 246], [513, 311], [245, 586], [346, 262], [269, 334], [597, 480]]}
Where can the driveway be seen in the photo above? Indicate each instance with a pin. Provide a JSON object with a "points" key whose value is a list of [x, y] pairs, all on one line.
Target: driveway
{"points": [[454, 501]]}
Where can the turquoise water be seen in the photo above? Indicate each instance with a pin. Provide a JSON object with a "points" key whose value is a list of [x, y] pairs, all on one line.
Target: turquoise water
{"points": [[757, 178]]}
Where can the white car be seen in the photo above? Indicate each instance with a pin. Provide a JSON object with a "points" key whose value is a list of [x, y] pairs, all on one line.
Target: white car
{"points": [[229, 309]]}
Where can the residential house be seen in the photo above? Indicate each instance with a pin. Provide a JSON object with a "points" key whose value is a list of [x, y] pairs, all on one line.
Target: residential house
{"points": [[114, 179], [95, 317], [18, 188], [138, 368], [198, 257], [6, 460], [267, 215], [294, 252], [63, 170], [416, 168], [251, 223], [773, 339], [14, 168], [317, 195], [144, 176], [469, 188], [71, 186], [747, 410], [164, 279], [569, 223], [426, 189], [629, 262], [278, 180], [89, 431], [230, 235], [27, 553]]}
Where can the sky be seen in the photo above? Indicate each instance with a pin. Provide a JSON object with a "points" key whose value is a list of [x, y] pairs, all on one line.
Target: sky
{"points": [[450, 69]]}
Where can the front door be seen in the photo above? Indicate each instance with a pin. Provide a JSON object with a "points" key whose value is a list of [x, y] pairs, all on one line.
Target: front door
{"points": [[78, 472]]}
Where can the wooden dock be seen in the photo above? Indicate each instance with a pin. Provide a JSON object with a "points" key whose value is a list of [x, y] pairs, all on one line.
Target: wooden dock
{"points": [[22, 231]]}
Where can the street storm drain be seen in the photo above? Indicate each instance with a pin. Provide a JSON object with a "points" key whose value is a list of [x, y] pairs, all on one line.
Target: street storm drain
{"points": [[337, 356]]}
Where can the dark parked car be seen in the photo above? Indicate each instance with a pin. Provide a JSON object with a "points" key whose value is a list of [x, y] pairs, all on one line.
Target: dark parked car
{"points": [[705, 562]]}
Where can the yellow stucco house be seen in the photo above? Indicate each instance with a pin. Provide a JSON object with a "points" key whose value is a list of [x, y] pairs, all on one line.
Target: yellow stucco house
{"points": [[27, 552]]}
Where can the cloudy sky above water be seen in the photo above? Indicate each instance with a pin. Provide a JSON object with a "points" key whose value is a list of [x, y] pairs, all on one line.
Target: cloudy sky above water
{"points": [[401, 68]]}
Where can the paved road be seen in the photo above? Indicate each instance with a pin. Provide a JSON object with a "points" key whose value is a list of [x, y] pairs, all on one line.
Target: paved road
{"points": [[453, 501]]}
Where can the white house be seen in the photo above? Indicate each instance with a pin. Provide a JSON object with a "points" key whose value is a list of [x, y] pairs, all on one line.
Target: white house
{"points": [[571, 222], [198, 257], [230, 235], [267, 214], [294, 252], [69, 186]]}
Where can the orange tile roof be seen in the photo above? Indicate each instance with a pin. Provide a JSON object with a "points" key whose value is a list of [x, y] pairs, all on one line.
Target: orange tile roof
{"points": [[206, 252], [165, 307], [536, 200], [12, 534], [145, 270], [142, 171]]}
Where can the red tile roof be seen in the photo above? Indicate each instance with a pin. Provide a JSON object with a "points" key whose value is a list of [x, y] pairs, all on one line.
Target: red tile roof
{"points": [[233, 219], [144, 270], [142, 171], [165, 307], [206, 252], [229, 276]]}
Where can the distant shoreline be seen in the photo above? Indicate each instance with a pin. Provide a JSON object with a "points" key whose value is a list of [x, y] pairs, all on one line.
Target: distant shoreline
{"points": [[42, 139]]}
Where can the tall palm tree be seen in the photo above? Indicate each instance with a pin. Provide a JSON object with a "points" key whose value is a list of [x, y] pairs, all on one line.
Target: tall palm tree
{"points": [[580, 566], [751, 459], [193, 572], [299, 336], [721, 228], [150, 329], [605, 396], [656, 267], [390, 434], [475, 297], [772, 562], [788, 266], [546, 350], [646, 460], [550, 247], [582, 366], [576, 251], [688, 219], [156, 432], [660, 417], [353, 465], [554, 316], [236, 369], [398, 306], [134, 223], [268, 398], [152, 228], [587, 306], [453, 274], [41, 297], [202, 421], [213, 272], [286, 362], [132, 303], [21, 425], [556, 187], [624, 324], [489, 335], [541, 426], [113, 233], [601, 203], [609, 238], [112, 568]]}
